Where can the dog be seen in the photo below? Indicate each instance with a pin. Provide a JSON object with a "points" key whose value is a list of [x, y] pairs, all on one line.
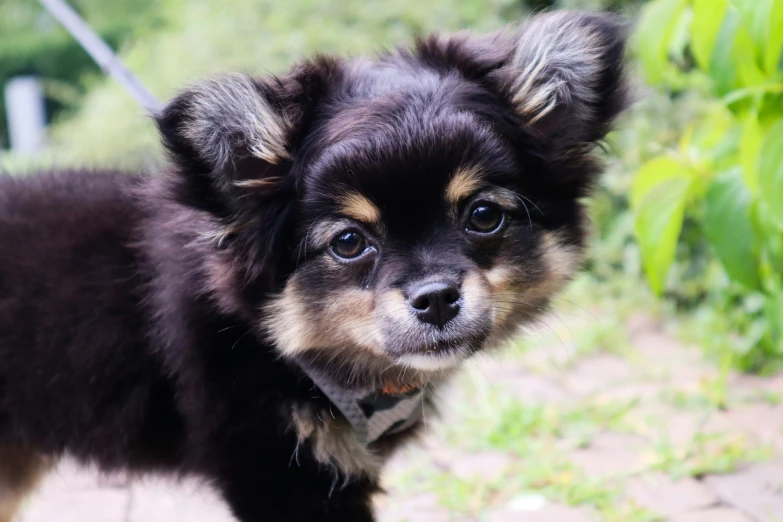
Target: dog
{"points": [[273, 310]]}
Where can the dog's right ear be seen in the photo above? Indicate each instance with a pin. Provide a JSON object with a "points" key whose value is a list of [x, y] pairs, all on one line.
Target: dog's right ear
{"points": [[231, 138], [214, 124]]}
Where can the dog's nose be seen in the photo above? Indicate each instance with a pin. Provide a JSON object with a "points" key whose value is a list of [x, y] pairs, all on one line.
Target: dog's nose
{"points": [[435, 302]]}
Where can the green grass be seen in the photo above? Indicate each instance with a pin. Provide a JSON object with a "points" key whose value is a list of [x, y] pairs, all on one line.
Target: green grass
{"points": [[537, 439], [706, 454]]}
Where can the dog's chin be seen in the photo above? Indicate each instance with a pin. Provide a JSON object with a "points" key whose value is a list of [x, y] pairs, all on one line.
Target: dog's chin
{"points": [[433, 362], [437, 358]]}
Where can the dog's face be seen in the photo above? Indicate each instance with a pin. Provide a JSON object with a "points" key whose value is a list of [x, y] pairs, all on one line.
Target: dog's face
{"points": [[419, 238], [412, 210]]}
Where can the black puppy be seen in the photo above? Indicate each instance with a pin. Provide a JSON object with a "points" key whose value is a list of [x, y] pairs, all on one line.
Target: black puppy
{"points": [[326, 246]]}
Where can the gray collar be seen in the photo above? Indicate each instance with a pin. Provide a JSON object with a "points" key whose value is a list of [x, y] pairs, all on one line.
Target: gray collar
{"points": [[373, 413]]}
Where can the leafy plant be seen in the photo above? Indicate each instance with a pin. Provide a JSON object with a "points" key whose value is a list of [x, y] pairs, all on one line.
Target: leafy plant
{"points": [[726, 173]]}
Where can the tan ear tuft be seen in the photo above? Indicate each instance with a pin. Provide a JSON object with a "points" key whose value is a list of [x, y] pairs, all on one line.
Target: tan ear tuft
{"points": [[228, 116], [572, 60]]}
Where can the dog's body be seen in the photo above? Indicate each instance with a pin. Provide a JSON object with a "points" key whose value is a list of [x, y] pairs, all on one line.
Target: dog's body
{"points": [[92, 367], [373, 223]]}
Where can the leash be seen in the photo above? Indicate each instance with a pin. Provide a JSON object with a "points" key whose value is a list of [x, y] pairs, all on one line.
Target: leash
{"points": [[100, 52]]}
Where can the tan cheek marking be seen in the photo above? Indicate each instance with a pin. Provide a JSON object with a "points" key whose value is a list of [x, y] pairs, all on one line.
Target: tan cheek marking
{"points": [[500, 280], [285, 321], [561, 262], [509, 290], [352, 312], [360, 208], [349, 316], [393, 305], [476, 295], [463, 183]]}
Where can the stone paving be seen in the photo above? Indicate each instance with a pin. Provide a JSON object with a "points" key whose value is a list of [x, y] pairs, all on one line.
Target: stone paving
{"points": [[668, 455]]}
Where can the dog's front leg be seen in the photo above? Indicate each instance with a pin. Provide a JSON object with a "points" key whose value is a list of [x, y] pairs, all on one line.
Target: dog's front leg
{"points": [[297, 496]]}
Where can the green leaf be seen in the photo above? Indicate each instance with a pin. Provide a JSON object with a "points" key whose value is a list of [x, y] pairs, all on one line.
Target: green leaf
{"points": [[680, 38], [722, 68], [744, 56], [755, 18], [652, 174], [771, 171], [729, 228], [773, 309], [658, 224], [734, 62], [774, 43], [656, 27], [707, 20], [711, 137], [772, 237], [750, 146]]}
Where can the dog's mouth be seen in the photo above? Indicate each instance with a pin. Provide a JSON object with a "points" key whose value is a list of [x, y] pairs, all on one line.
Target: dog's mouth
{"points": [[431, 349], [440, 354]]}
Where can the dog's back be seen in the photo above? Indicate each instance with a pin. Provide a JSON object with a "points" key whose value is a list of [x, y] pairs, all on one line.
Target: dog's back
{"points": [[73, 351]]}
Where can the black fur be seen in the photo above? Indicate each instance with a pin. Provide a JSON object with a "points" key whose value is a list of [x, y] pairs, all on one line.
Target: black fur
{"points": [[131, 307]]}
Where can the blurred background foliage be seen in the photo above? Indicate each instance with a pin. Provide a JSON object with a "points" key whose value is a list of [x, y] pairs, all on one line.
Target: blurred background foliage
{"points": [[724, 175], [692, 199], [31, 41]]}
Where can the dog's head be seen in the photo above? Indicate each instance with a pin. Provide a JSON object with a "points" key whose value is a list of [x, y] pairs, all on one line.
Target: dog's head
{"points": [[409, 210]]}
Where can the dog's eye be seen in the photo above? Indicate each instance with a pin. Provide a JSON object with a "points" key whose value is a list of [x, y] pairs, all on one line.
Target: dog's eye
{"points": [[349, 245], [485, 218]]}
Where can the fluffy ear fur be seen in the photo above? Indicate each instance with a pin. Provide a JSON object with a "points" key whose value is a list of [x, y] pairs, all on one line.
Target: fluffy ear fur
{"points": [[231, 137], [562, 72], [222, 121], [231, 140], [222, 134], [565, 75]]}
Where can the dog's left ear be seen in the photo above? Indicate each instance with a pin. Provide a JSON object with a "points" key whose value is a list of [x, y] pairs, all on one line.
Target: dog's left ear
{"points": [[561, 73], [564, 75]]}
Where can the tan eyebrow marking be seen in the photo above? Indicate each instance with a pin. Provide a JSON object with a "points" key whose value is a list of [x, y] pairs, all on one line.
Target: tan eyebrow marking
{"points": [[507, 199], [360, 208], [322, 232], [464, 183]]}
